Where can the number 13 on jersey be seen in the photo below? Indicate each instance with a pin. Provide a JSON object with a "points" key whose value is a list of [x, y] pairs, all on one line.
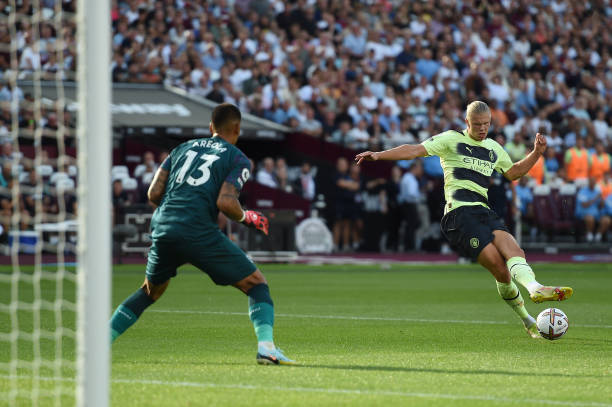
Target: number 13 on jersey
{"points": [[208, 159]]}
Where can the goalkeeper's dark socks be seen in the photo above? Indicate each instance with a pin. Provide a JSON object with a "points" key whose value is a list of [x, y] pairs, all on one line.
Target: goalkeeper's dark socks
{"points": [[128, 312], [261, 312]]}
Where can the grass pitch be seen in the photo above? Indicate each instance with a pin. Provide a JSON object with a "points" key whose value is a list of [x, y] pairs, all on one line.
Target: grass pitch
{"points": [[364, 336]]}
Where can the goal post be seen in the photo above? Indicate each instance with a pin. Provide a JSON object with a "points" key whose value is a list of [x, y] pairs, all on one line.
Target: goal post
{"points": [[94, 194]]}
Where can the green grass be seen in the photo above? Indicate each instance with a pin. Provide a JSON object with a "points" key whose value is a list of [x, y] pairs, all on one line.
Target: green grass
{"points": [[364, 335]]}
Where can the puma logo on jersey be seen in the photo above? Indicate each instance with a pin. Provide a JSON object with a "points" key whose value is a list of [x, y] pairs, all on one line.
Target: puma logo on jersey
{"points": [[469, 149]]}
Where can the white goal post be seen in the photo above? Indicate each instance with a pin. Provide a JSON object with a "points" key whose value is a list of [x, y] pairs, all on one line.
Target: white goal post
{"points": [[94, 242]]}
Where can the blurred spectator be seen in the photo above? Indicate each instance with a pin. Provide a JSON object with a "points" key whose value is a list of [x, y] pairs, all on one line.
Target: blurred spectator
{"points": [[607, 210], [10, 93], [7, 155], [358, 137], [551, 163], [147, 168], [554, 142], [216, 94], [408, 198], [355, 39], [588, 209], [121, 201], [605, 185], [283, 179], [577, 161], [305, 184], [516, 148], [311, 126], [358, 203], [599, 162], [394, 214], [266, 175], [525, 197], [538, 170], [342, 134], [282, 175], [376, 133], [346, 210], [601, 127], [501, 195], [375, 208]]}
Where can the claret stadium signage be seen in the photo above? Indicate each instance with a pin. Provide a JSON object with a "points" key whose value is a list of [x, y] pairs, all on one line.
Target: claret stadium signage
{"points": [[157, 110], [150, 108]]}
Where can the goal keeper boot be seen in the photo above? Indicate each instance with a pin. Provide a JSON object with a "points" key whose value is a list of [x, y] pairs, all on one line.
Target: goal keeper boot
{"points": [[273, 357], [547, 293]]}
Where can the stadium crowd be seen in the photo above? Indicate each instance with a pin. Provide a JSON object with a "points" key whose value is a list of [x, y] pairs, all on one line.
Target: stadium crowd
{"points": [[378, 74], [375, 74]]}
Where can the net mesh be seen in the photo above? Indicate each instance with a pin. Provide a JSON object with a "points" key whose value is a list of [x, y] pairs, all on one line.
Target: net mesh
{"points": [[38, 203]]}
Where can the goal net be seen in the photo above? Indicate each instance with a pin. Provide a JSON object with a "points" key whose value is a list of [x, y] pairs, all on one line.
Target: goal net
{"points": [[54, 203]]}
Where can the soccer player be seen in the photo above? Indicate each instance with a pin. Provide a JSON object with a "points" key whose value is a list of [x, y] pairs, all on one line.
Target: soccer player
{"points": [[197, 180], [468, 159]]}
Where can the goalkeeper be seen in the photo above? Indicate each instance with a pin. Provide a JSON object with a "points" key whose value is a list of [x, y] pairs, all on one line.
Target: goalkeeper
{"points": [[199, 178], [468, 159]]}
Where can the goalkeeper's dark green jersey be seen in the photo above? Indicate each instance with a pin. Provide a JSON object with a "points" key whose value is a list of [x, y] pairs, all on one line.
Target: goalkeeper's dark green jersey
{"points": [[468, 165], [197, 169]]}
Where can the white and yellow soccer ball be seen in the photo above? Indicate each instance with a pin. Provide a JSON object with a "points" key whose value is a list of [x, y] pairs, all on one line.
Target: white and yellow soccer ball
{"points": [[552, 323]]}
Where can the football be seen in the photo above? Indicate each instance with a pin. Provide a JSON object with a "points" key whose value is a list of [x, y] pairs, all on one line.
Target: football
{"points": [[552, 323]]}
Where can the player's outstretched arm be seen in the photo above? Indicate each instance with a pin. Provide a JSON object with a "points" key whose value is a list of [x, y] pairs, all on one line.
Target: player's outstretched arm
{"points": [[158, 186], [521, 168], [403, 152], [228, 203]]}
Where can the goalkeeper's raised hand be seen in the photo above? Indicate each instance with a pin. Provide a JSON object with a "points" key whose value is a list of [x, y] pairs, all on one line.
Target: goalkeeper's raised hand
{"points": [[256, 220]]}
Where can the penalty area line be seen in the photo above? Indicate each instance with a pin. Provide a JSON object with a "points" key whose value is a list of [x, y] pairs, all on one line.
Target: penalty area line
{"points": [[323, 390], [364, 318]]}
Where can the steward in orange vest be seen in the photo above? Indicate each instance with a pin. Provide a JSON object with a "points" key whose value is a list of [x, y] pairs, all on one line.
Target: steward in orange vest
{"points": [[577, 161], [537, 171], [605, 185], [599, 162]]}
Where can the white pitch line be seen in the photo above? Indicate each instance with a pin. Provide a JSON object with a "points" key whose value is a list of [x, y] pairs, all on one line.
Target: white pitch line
{"points": [[359, 318], [443, 396]]}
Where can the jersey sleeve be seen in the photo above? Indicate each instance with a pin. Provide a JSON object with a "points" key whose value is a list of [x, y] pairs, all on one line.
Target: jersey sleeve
{"points": [[504, 161], [167, 164], [436, 145], [240, 171]]}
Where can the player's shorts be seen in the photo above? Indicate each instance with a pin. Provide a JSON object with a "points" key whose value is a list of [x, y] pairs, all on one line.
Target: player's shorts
{"points": [[215, 255], [469, 229]]}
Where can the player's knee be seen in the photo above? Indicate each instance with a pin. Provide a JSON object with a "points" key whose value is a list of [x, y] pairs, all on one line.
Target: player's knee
{"points": [[153, 291], [254, 279], [503, 275], [155, 295]]}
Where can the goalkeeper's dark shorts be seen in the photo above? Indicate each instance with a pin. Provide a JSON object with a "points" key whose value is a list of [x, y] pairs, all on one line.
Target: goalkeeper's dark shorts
{"points": [[469, 229], [216, 255]]}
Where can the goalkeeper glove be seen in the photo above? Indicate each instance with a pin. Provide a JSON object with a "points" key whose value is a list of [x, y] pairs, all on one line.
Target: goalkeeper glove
{"points": [[257, 220]]}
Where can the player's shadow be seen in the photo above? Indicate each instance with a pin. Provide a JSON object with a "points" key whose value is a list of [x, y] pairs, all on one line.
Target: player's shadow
{"points": [[445, 371]]}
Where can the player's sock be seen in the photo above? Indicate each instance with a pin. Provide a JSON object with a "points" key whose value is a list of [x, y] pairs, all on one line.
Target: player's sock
{"points": [[523, 274], [261, 312], [511, 294], [128, 312]]}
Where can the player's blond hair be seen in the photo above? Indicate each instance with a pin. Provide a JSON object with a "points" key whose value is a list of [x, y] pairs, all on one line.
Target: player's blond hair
{"points": [[477, 107]]}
